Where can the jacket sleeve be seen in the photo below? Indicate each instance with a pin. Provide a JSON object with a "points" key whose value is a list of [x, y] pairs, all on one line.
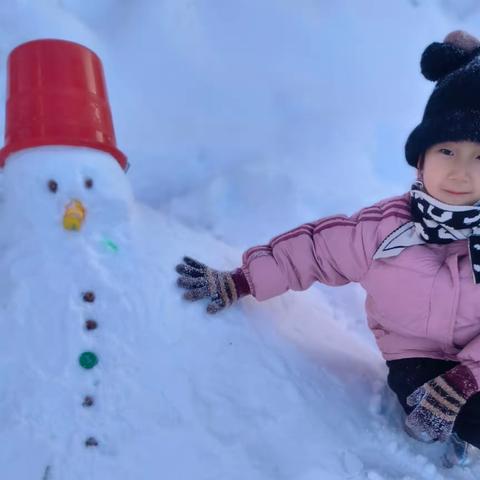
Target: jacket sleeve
{"points": [[334, 250]]}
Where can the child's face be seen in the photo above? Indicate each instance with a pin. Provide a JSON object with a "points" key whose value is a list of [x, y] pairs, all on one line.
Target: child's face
{"points": [[451, 172]]}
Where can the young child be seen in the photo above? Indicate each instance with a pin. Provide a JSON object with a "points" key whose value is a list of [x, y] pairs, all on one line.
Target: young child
{"points": [[417, 255]]}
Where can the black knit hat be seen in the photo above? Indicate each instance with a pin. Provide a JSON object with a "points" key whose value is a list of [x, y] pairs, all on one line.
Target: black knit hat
{"points": [[453, 109]]}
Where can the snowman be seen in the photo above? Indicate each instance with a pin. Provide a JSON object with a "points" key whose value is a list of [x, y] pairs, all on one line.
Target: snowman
{"points": [[71, 302]]}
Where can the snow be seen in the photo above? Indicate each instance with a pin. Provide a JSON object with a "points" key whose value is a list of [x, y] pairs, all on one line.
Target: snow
{"points": [[240, 120]]}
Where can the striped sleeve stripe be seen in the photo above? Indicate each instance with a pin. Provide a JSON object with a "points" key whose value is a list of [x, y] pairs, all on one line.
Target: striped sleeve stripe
{"points": [[324, 226], [313, 228], [258, 252], [372, 213], [310, 229], [331, 222], [255, 250]]}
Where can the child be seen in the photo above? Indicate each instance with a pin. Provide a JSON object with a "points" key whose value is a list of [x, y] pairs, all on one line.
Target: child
{"points": [[417, 255]]}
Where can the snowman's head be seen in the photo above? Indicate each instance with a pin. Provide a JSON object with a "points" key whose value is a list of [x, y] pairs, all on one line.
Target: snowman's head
{"points": [[71, 188]]}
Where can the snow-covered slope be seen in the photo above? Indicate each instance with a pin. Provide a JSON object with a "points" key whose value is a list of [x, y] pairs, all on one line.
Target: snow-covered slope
{"points": [[228, 396], [242, 119]]}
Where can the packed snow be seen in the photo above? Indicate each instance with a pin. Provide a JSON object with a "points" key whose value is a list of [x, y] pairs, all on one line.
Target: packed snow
{"points": [[240, 120]]}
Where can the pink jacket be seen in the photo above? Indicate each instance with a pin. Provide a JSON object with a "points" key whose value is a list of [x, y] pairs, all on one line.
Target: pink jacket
{"points": [[421, 303]]}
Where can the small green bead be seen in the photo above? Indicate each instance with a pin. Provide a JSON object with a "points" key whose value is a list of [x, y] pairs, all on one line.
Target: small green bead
{"points": [[88, 360], [110, 245]]}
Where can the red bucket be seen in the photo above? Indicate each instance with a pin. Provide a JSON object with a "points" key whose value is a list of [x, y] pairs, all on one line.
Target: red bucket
{"points": [[56, 95]]}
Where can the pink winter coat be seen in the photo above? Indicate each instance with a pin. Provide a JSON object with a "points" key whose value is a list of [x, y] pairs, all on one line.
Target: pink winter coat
{"points": [[421, 303]]}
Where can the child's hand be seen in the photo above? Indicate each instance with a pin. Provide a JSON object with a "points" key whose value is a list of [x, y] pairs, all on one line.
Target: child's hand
{"points": [[200, 281], [438, 403]]}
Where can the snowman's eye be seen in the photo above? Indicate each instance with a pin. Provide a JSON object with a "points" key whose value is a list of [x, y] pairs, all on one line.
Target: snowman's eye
{"points": [[52, 186], [88, 183]]}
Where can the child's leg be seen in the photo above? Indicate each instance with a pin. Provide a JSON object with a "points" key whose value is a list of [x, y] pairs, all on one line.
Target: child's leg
{"points": [[408, 374], [467, 424]]}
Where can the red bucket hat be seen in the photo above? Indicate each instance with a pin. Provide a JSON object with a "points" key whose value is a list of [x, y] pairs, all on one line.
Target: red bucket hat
{"points": [[56, 95]]}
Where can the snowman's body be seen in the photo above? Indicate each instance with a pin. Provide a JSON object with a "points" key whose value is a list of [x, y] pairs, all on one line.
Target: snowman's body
{"points": [[54, 283]]}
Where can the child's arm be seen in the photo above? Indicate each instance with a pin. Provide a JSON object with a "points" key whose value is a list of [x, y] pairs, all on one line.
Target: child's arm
{"points": [[334, 250]]}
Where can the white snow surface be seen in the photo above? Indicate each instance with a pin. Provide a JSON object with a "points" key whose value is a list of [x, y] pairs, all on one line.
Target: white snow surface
{"points": [[240, 120]]}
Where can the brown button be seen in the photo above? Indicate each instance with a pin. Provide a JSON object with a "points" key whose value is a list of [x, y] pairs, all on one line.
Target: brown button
{"points": [[91, 324], [91, 442], [89, 297], [88, 401]]}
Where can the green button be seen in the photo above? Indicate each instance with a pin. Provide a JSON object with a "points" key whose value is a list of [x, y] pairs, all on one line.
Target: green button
{"points": [[110, 245], [88, 360]]}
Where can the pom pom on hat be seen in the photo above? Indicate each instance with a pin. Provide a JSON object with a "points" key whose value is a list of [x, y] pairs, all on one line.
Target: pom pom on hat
{"points": [[462, 40], [440, 59]]}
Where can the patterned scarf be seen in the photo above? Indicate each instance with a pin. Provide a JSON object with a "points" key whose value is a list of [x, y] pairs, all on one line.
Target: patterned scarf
{"points": [[436, 222]]}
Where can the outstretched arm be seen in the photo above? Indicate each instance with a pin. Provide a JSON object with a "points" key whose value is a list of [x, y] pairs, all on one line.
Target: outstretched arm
{"points": [[334, 250]]}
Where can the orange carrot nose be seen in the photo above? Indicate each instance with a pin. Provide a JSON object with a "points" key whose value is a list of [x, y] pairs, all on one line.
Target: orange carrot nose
{"points": [[74, 215]]}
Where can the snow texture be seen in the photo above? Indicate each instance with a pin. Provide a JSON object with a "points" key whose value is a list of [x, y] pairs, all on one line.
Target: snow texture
{"points": [[240, 120]]}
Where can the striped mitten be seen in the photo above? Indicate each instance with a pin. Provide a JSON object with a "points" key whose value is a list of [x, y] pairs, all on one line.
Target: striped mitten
{"points": [[437, 404], [221, 288]]}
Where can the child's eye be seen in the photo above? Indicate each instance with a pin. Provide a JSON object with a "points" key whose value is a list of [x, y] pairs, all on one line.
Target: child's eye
{"points": [[52, 186], [88, 183], [446, 151]]}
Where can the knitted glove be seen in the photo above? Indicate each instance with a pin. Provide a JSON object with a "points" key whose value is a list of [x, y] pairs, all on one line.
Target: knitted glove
{"points": [[437, 404], [221, 288]]}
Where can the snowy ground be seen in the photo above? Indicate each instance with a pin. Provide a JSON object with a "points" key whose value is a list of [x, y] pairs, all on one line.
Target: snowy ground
{"points": [[242, 120]]}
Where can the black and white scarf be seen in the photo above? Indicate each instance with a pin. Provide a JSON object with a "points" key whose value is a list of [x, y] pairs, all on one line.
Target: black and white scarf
{"points": [[436, 222]]}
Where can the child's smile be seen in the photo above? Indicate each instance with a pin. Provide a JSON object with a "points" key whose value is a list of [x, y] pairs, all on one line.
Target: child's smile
{"points": [[451, 172]]}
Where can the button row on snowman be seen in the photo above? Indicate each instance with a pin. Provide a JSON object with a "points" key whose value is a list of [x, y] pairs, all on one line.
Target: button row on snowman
{"points": [[88, 360]]}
